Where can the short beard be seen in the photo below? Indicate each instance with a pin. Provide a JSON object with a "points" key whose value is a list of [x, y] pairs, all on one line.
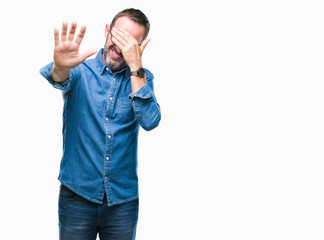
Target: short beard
{"points": [[114, 67]]}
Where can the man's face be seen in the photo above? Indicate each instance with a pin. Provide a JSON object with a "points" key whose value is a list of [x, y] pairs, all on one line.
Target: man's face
{"points": [[112, 55]]}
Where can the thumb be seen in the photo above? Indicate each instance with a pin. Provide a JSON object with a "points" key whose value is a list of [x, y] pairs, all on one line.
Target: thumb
{"points": [[87, 54], [143, 45]]}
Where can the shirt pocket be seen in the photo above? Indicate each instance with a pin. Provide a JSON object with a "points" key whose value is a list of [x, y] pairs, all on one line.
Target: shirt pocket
{"points": [[125, 110]]}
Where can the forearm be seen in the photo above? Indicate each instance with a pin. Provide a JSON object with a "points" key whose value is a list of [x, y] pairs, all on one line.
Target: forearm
{"points": [[136, 81], [46, 72], [60, 74]]}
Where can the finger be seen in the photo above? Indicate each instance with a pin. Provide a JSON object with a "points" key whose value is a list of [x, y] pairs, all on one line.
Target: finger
{"points": [[127, 36], [80, 36], [144, 43], [72, 31], [87, 54], [64, 31], [56, 37], [119, 37], [117, 43], [124, 33]]}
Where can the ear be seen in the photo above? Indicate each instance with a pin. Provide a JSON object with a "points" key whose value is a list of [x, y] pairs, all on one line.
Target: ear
{"points": [[107, 29]]}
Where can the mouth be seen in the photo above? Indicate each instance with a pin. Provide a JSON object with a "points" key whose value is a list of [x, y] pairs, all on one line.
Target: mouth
{"points": [[115, 54]]}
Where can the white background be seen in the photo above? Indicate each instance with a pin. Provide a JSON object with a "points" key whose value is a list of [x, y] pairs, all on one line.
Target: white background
{"points": [[239, 151]]}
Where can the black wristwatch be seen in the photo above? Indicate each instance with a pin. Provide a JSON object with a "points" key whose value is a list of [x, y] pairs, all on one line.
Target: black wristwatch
{"points": [[140, 72]]}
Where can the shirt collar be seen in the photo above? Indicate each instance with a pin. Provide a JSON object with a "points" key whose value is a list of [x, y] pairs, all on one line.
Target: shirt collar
{"points": [[102, 67]]}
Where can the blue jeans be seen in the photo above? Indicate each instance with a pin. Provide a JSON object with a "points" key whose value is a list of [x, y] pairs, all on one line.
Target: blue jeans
{"points": [[80, 219]]}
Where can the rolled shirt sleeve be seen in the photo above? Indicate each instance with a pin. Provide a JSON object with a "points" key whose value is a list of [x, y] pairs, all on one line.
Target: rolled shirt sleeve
{"points": [[64, 86], [145, 105]]}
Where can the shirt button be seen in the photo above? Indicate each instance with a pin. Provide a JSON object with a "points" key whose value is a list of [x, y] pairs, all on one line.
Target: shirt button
{"points": [[109, 136], [106, 119], [106, 178], [107, 158], [110, 98], [114, 79], [107, 68]]}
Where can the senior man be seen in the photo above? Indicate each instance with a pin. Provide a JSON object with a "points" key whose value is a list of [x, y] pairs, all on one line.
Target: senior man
{"points": [[106, 100]]}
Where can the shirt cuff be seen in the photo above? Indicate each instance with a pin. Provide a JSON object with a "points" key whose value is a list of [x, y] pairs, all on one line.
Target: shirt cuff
{"points": [[46, 73], [145, 93]]}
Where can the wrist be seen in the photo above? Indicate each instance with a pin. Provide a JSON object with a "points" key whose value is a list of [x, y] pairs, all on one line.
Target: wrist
{"points": [[60, 74], [135, 66], [59, 69]]}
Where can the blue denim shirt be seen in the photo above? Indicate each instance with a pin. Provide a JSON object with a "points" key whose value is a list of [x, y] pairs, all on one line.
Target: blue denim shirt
{"points": [[101, 119]]}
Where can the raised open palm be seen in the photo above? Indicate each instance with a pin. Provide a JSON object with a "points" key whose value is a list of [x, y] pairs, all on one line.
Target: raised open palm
{"points": [[66, 51]]}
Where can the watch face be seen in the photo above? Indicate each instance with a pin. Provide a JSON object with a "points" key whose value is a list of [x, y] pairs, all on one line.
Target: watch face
{"points": [[141, 72]]}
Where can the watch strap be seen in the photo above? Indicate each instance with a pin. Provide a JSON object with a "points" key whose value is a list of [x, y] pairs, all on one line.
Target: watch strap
{"points": [[140, 72]]}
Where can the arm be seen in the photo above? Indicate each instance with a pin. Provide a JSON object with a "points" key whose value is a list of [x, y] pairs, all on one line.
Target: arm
{"points": [[145, 105]]}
